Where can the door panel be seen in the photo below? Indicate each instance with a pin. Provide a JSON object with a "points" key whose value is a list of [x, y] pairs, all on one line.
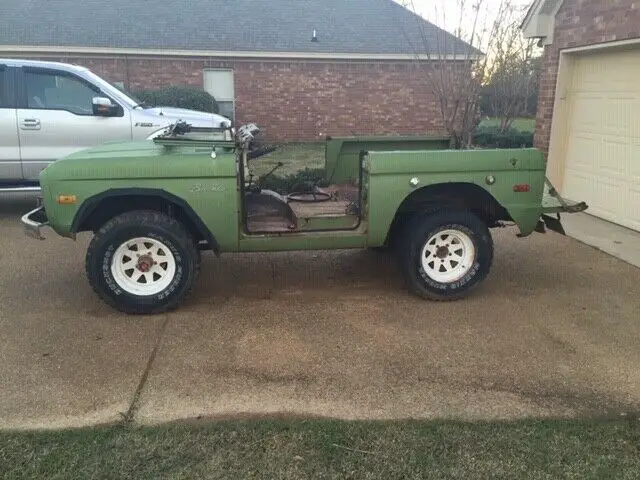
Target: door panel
{"points": [[10, 168], [58, 119]]}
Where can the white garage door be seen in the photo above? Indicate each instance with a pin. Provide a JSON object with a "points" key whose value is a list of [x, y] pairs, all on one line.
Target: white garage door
{"points": [[603, 146]]}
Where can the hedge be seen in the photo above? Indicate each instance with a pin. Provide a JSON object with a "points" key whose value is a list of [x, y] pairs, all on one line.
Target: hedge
{"points": [[302, 180], [493, 137], [180, 97]]}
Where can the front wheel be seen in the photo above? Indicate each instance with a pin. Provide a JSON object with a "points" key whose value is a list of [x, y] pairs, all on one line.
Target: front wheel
{"points": [[445, 254], [142, 262]]}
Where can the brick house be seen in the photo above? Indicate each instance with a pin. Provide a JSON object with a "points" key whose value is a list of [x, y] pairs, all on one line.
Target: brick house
{"points": [[589, 109], [300, 69]]}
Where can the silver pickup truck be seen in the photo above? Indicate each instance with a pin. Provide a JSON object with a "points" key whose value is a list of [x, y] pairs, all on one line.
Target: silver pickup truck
{"points": [[49, 110]]}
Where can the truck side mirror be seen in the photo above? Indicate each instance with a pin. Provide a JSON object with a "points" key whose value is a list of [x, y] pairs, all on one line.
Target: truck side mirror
{"points": [[103, 107]]}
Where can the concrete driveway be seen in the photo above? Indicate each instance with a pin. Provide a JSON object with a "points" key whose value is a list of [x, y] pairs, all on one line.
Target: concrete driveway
{"points": [[553, 332]]}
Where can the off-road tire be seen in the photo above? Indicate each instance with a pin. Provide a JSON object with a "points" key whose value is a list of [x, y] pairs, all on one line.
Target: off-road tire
{"points": [[424, 227], [150, 224]]}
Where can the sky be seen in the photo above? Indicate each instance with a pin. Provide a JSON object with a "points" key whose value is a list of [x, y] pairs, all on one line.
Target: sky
{"points": [[446, 13]]}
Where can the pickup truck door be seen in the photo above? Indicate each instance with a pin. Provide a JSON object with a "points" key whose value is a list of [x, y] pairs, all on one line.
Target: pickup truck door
{"points": [[55, 118], [10, 168]]}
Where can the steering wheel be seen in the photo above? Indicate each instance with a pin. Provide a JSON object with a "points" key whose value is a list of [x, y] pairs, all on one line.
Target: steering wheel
{"points": [[314, 196]]}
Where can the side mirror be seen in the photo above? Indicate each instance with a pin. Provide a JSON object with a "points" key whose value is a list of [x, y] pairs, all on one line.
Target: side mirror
{"points": [[103, 107]]}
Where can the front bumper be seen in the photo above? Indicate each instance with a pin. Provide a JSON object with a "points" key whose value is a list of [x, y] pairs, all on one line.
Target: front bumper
{"points": [[34, 221]]}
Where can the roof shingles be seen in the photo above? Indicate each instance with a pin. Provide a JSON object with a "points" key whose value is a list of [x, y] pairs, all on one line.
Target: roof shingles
{"points": [[342, 26]]}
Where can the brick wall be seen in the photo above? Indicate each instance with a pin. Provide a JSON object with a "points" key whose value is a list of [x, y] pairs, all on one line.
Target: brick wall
{"points": [[581, 23], [299, 100]]}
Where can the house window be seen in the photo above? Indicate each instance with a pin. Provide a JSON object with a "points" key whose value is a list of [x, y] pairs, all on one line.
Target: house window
{"points": [[219, 84]]}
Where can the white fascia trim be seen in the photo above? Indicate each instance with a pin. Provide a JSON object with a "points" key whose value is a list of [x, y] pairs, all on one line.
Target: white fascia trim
{"points": [[225, 54], [602, 46], [541, 25]]}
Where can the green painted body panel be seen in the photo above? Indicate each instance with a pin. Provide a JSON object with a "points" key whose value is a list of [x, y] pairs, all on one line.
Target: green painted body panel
{"points": [[305, 241], [114, 162], [390, 174], [342, 153], [210, 185], [329, 222]]}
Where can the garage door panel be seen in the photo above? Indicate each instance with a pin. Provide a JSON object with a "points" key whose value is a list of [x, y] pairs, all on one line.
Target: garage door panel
{"points": [[612, 161], [582, 112], [587, 75], [634, 118], [581, 150], [616, 117], [634, 165], [600, 193], [599, 155], [633, 211], [602, 164]]}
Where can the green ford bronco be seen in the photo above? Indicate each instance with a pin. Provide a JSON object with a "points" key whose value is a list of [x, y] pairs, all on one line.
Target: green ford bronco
{"points": [[153, 206]]}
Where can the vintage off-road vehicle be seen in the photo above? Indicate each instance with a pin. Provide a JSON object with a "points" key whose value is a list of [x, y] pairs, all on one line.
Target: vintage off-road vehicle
{"points": [[154, 205]]}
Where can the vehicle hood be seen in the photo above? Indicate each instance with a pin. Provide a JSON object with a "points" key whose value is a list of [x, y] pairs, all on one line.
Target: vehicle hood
{"points": [[193, 117], [142, 160]]}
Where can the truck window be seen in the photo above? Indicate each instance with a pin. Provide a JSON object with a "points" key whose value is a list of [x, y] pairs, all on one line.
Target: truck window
{"points": [[50, 90]]}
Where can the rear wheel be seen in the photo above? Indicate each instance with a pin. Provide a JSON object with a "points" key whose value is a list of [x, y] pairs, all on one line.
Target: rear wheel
{"points": [[142, 262], [445, 254]]}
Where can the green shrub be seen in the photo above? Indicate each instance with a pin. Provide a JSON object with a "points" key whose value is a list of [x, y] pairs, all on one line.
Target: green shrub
{"points": [[180, 97], [493, 137], [296, 182]]}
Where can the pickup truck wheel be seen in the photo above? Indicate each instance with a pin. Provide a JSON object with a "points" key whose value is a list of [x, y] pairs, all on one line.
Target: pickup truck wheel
{"points": [[446, 254], [142, 262]]}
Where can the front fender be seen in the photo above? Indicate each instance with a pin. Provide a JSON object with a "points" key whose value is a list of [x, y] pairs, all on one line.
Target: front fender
{"points": [[90, 205]]}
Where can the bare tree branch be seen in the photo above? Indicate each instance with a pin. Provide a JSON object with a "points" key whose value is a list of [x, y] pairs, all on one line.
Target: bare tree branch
{"points": [[457, 82]]}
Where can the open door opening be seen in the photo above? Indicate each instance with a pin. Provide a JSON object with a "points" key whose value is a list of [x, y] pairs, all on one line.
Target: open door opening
{"points": [[298, 204]]}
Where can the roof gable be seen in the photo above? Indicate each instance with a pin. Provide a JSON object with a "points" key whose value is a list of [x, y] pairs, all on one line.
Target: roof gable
{"points": [[267, 26], [540, 20]]}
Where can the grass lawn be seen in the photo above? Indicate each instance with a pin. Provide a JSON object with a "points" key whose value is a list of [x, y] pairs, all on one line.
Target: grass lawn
{"points": [[522, 124], [319, 449], [294, 156]]}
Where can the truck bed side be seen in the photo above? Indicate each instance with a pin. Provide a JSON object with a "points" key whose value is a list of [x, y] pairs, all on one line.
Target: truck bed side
{"points": [[394, 176]]}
